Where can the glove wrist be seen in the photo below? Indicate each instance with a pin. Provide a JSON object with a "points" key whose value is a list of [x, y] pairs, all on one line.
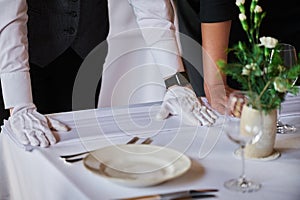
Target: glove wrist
{"points": [[23, 107]]}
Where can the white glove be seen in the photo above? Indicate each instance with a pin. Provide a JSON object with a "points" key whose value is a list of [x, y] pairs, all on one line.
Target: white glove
{"points": [[32, 128], [182, 101]]}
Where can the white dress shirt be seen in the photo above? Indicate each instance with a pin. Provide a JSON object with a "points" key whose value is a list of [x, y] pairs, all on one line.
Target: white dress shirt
{"points": [[158, 23], [142, 51], [14, 67]]}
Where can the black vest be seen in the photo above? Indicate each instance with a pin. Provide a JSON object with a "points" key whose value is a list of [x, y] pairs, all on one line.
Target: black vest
{"points": [[55, 25]]}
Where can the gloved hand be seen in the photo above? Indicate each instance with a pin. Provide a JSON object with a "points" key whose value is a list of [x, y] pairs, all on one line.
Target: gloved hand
{"points": [[182, 101], [32, 128]]}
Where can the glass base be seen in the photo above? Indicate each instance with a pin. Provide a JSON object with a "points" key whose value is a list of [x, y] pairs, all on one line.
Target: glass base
{"points": [[242, 185]]}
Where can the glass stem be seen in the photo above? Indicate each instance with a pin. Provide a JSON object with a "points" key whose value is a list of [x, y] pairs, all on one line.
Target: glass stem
{"points": [[243, 176], [279, 112]]}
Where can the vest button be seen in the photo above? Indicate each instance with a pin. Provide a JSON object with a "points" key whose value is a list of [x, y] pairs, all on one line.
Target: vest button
{"points": [[70, 30], [73, 13]]}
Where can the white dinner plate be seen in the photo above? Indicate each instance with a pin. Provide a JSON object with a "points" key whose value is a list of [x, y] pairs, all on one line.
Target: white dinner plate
{"points": [[137, 165]]}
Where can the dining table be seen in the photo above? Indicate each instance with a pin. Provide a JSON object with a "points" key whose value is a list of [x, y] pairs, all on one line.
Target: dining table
{"points": [[35, 173]]}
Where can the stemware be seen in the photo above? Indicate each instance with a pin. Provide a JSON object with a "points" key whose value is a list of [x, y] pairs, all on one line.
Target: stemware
{"points": [[242, 135], [288, 55]]}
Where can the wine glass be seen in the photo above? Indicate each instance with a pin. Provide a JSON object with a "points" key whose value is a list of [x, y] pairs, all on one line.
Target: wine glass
{"points": [[288, 54], [242, 135]]}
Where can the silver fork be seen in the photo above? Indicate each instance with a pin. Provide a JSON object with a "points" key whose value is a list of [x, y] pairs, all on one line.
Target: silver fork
{"points": [[132, 141], [70, 158]]}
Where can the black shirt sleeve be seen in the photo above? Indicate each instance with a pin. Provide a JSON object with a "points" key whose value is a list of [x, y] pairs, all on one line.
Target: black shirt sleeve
{"points": [[216, 10]]}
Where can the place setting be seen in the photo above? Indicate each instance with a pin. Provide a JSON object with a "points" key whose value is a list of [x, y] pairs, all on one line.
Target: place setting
{"points": [[133, 164], [140, 164]]}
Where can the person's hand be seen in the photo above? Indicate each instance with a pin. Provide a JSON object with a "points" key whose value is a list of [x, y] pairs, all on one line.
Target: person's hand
{"points": [[217, 96], [182, 101], [32, 128]]}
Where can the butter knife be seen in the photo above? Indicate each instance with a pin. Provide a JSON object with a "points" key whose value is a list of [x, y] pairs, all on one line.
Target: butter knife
{"points": [[189, 194]]}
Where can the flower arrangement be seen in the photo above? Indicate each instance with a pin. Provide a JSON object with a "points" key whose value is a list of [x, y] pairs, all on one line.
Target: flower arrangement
{"points": [[260, 68]]}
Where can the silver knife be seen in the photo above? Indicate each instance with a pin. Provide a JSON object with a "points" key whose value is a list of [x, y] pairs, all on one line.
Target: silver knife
{"points": [[189, 194]]}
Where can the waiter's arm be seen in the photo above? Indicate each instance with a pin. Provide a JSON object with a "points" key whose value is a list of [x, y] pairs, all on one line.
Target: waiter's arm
{"points": [[14, 67]]}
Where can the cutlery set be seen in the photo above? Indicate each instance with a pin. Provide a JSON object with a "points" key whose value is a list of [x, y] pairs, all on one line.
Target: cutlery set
{"points": [[72, 158]]}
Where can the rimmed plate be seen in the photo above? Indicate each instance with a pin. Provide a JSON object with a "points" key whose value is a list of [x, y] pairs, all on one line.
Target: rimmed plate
{"points": [[137, 165]]}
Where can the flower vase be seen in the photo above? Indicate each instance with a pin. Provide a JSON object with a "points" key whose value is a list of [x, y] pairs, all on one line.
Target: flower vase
{"points": [[264, 146]]}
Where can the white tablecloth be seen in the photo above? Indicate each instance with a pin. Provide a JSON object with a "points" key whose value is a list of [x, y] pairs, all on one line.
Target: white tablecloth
{"points": [[41, 174]]}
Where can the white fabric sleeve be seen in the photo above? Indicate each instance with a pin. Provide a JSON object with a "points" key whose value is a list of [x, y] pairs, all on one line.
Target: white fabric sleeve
{"points": [[14, 67], [157, 21], [16, 89], [130, 75]]}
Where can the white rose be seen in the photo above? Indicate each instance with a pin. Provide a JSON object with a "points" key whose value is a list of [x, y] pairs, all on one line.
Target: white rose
{"points": [[280, 84], [251, 66], [239, 2], [242, 17], [268, 42], [257, 9], [248, 66], [245, 71]]}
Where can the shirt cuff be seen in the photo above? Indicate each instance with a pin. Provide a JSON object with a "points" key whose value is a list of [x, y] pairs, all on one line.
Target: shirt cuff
{"points": [[16, 89]]}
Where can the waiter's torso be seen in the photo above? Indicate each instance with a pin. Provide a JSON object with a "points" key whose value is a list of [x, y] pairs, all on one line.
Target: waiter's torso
{"points": [[55, 25]]}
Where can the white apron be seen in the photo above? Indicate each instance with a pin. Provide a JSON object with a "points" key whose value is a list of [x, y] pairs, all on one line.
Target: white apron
{"points": [[134, 73]]}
